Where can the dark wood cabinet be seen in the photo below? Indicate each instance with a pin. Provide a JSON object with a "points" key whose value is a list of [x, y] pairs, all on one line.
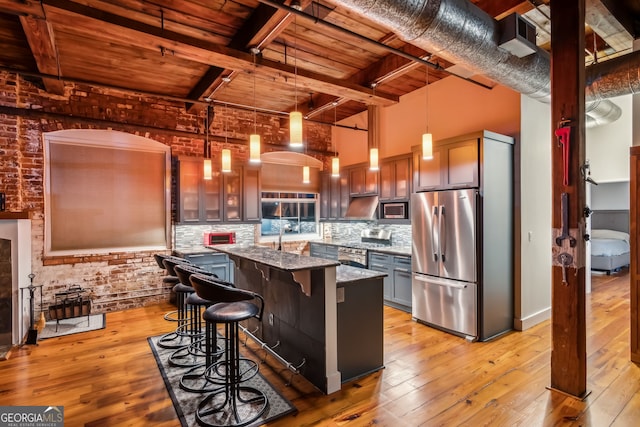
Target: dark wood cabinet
{"points": [[455, 164], [395, 178], [362, 180], [334, 196], [226, 197]]}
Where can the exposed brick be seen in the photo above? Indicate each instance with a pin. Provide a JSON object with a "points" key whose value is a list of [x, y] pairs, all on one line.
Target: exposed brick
{"points": [[116, 281]]}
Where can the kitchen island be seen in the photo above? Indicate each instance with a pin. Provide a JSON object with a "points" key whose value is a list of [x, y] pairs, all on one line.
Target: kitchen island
{"points": [[322, 318]]}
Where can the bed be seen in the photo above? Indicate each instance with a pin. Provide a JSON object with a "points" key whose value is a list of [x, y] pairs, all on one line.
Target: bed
{"points": [[609, 240]]}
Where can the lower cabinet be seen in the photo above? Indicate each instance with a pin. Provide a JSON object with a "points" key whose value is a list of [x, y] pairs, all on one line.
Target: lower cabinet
{"points": [[397, 284], [214, 262], [322, 250]]}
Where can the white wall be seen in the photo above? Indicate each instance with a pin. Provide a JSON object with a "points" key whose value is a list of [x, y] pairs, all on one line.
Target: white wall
{"points": [[533, 297], [610, 196], [608, 145]]}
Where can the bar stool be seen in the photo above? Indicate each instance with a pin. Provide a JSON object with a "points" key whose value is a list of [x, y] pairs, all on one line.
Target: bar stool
{"points": [[199, 378], [233, 404], [181, 336], [170, 316], [192, 354]]}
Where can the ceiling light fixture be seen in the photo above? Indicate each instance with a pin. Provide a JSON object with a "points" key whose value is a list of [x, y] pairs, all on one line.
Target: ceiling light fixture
{"points": [[207, 172], [427, 138], [335, 161], [373, 133], [254, 138], [295, 117], [226, 153]]}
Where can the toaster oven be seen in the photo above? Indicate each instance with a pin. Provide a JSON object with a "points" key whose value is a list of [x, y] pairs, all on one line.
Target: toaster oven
{"points": [[219, 238]]}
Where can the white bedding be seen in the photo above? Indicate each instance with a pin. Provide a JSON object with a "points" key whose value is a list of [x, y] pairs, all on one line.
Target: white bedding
{"points": [[609, 242]]}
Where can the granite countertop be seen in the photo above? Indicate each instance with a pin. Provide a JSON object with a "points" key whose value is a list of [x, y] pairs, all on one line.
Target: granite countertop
{"points": [[393, 250], [346, 274], [281, 260]]}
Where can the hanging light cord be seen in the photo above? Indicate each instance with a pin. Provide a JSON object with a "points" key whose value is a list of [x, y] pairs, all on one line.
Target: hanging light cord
{"points": [[295, 61], [335, 121], [426, 87], [255, 109]]}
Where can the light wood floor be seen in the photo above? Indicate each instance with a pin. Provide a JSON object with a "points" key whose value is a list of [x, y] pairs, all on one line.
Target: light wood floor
{"points": [[110, 378]]}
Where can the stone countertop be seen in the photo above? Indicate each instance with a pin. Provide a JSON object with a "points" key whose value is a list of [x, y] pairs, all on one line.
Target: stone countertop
{"points": [[347, 274], [377, 247], [393, 250], [285, 261], [192, 251]]}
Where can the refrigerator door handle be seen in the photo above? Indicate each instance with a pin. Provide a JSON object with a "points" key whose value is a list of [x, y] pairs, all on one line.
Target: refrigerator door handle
{"points": [[439, 282], [442, 233], [433, 223]]}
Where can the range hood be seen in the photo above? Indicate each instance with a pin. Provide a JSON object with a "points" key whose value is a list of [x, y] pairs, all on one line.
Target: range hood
{"points": [[362, 208]]}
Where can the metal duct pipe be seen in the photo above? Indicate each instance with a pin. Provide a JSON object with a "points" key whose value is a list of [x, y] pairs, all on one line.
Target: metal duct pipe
{"points": [[462, 33], [615, 77]]}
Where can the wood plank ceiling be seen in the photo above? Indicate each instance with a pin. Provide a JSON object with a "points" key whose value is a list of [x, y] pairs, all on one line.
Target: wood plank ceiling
{"points": [[201, 49]]}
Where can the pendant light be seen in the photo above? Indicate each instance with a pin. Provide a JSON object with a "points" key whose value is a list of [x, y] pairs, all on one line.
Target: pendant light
{"points": [[208, 169], [295, 117], [373, 134], [335, 161], [427, 138], [254, 138], [226, 153]]}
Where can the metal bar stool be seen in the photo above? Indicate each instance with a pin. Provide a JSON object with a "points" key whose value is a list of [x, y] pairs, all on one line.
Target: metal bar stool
{"points": [[234, 404], [181, 336], [170, 316], [192, 354]]}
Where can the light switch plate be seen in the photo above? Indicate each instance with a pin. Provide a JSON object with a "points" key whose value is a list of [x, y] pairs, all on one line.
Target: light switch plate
{"points": [[339, 295]]}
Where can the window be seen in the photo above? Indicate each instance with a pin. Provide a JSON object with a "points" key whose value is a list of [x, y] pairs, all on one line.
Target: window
{"points": [[105, 191], [292, 215]]}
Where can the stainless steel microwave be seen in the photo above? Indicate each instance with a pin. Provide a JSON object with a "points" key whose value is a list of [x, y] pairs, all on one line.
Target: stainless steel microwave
{"points": [[394, 210]]}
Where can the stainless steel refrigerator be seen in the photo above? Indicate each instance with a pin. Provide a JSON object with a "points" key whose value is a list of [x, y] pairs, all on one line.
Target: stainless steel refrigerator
{"points": [[463, 247], [444, 259]]}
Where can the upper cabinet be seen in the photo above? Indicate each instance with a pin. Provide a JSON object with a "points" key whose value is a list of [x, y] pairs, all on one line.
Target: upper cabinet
{"points": [[455, 164], [334, 196], [395, 178], [466, 161], [226, 197], [362, 180]]}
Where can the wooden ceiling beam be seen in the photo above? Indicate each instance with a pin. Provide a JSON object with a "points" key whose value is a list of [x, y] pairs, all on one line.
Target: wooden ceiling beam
{"points": [[198, 50], [262, 27], [41, 41]]}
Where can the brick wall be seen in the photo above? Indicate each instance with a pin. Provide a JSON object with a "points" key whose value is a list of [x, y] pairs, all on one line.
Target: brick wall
{"points": [[116, 281]]}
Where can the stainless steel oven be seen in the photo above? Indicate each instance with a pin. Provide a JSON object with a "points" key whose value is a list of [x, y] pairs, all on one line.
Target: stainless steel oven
{"points": [[354, 257]]}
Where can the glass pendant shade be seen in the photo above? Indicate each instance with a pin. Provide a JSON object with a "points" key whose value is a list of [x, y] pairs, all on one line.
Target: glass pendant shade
{"points": [[226, 160], [373, 159], [207, 169], [427, 146], [305, 175], [254, 148], [335, 167], [295, 129]]}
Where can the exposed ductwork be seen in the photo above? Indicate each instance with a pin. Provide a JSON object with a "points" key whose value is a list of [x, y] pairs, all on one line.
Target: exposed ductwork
{"points": [[462, 33]]}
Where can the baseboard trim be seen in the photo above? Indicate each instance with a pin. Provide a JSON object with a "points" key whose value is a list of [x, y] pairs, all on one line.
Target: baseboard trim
{"points": [[532, 320]]}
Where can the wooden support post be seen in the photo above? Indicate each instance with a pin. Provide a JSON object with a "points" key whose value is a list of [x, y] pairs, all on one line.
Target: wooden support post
{"points": [[634, 269], [568, 355]]}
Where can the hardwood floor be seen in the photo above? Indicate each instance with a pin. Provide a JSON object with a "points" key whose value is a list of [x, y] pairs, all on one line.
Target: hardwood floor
{"points": [[110, 378]]}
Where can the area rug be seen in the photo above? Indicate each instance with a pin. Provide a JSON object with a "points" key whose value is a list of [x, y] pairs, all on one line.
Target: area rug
{"points": [[73, 325], [186, 403]]}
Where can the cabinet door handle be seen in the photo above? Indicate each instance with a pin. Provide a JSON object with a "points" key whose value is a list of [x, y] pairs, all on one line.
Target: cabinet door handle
{"points": [[403, 270], [378, 266], [195, 256]]}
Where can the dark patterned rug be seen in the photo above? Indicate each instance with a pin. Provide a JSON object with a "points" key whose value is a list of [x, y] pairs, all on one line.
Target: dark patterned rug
{"points": [[186, 403]]}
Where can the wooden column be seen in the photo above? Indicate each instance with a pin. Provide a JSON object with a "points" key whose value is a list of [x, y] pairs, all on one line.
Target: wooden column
{"points": [[568, 355], [634, 282]]}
